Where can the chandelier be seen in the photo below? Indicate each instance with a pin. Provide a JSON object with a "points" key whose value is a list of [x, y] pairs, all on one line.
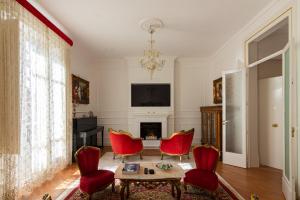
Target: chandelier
{"points": [[151, 60]]}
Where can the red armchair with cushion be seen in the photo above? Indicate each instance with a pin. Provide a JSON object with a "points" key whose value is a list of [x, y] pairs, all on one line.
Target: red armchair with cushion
{"points": [[124, 144], [92, 179], [178, 144], [204, 176]]}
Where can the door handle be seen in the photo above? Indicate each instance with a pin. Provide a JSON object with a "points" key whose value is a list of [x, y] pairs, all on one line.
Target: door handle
{"points": [[225, 122], [293, 131], [275, 125]]}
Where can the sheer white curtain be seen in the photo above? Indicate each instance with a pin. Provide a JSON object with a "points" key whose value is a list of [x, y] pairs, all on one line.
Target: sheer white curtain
{"points": [[44, 82]]}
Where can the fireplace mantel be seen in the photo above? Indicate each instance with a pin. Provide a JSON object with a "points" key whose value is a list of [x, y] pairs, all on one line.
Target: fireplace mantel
{"points": [[137, 119]]}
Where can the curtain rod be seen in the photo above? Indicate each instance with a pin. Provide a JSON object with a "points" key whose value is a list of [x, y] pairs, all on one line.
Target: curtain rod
{"points": [[44, 20]]}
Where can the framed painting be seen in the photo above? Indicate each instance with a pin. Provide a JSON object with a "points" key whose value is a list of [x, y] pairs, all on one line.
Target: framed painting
{"points": [[217, 91], [80, 90]]}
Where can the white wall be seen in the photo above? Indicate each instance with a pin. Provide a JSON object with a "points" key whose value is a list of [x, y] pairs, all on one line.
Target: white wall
{"points": [[231, 55], [109, 91], [192, 90], [111, 94], [81, 61]]}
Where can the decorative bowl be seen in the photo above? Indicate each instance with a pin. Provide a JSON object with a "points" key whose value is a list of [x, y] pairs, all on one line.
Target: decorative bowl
{"points": [[164, 166]]}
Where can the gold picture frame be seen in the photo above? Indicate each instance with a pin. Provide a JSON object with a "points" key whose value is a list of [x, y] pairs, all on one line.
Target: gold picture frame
{"points": [[80, 90], [217, 91]]}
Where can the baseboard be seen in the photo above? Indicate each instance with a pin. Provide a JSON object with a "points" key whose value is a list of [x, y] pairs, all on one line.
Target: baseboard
{"points": [[286, 189]]}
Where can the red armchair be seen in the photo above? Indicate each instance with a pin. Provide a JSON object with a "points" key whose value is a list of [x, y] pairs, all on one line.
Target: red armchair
{"points": [[204, 176], [124, 144], [92, 179], [178, 144]]}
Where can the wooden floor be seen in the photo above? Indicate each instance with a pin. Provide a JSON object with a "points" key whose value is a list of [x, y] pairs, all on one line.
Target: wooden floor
{"points": [[57, 185], [263, 181]]}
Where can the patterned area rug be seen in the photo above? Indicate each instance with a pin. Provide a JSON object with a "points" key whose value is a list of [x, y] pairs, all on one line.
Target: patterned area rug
{"points": [[159, 193]]}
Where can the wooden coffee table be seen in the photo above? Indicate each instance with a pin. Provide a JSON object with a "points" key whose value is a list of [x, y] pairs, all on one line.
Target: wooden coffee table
{"points": [[150, 181]]}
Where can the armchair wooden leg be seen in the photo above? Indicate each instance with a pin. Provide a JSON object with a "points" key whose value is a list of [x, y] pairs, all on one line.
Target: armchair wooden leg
{"points": [[162, 156], [141, 156], [180, 158], [113, 186], [188, 156], [173, 191], [185, 187], [123, 158], [128, 191], [114, 156], [213, 195], [84, 195]]}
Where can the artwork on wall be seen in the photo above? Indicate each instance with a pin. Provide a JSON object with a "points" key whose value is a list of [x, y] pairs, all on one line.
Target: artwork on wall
{"points": [[217, 91], [80, 90]]}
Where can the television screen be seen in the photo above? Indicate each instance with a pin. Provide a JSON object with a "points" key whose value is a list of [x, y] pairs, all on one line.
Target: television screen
{"points": [[150, 95]]}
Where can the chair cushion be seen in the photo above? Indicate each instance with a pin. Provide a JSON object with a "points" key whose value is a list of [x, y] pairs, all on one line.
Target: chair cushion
{"points": [[95, 181], [201, 178]]}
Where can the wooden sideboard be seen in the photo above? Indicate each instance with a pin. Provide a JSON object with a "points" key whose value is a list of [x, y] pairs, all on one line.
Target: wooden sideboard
{"points": [[211, 126]]}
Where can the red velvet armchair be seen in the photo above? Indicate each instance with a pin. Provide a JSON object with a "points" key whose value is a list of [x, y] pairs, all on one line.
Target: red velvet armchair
{"points": [[92, 179], [124, 144], [178, 144], [204, 176]]}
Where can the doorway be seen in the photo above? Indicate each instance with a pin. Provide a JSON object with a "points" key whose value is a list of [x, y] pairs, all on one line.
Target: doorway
{"points": [[266, 100], [270, 102]]}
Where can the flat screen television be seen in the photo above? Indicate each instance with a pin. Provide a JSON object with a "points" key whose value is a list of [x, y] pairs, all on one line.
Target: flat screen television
{"points": [[150, 95]]}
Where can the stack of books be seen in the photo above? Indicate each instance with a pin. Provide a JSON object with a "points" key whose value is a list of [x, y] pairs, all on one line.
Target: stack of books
{"points": [[131, 168]]}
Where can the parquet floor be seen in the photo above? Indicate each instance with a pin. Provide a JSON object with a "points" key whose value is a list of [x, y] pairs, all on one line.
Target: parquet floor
{"points": [[263, 181]]}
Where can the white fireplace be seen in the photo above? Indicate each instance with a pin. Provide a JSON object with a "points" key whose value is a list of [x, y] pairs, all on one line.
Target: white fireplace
{"points": [[135, 126], [163, 115]]}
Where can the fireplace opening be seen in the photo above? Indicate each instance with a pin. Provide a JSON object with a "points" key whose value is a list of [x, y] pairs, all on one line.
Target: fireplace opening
{"points": [[150, 130]]}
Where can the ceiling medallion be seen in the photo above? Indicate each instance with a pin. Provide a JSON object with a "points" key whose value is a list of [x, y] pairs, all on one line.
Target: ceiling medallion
{"points": [[151, 60]]}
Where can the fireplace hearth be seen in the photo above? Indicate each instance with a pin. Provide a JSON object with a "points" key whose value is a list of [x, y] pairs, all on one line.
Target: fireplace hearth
{"points": [[150, 130]]}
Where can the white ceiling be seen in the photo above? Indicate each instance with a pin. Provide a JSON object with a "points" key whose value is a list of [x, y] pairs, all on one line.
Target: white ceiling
{"points": [[110, 28]]}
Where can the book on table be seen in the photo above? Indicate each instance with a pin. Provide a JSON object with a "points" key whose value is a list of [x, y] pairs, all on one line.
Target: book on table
{"points": [[131, 168]]}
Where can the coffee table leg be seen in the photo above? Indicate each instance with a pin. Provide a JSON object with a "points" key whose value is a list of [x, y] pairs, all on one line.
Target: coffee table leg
{"points": [[173, 192], [127, 189], [178, 190], [123, 185]]}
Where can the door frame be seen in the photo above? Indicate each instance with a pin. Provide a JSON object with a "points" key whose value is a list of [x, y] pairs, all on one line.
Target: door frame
{"points": [[288, 185], [273, 22], [293, 98]]}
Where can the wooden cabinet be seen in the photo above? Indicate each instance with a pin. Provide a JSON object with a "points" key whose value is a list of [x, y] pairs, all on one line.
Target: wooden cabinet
{"points": [[211, 126]]}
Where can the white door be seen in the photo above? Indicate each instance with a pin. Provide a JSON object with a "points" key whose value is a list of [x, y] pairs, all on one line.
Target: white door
{"points": [[288, 181], [270, 122], [234, 117]]}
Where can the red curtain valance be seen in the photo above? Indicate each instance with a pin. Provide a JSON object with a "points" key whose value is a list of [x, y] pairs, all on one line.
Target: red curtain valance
{"points": [[43, 19]]}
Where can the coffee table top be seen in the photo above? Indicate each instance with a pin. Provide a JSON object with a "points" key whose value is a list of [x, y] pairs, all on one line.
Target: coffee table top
{"points": [[176, 172]]}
